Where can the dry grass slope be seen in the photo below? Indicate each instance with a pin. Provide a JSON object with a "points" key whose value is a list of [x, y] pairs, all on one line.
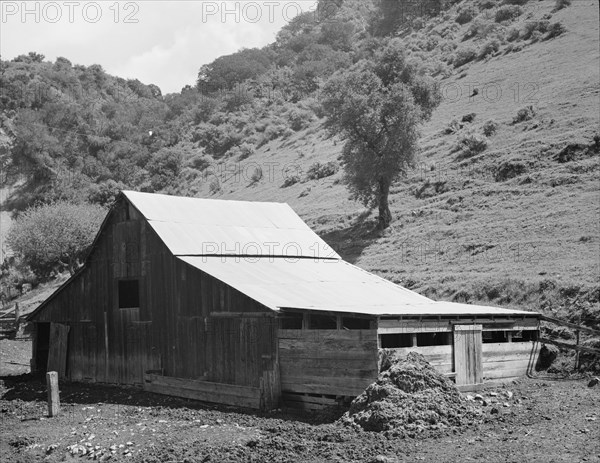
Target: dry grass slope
{"points": [[515, 224]]}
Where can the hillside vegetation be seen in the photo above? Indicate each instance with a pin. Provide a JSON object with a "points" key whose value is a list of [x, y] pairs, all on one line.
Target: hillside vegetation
{"points": [[501, 208]]}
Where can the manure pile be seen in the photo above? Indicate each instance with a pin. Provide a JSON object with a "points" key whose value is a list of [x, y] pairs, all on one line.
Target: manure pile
{"points": [[410, 397]]}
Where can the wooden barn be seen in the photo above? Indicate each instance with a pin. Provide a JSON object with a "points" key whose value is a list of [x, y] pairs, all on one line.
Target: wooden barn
{"points": [[241, 303]]}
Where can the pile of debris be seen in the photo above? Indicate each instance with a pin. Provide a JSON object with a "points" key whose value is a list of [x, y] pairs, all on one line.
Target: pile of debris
{"points": [[410, 397]]}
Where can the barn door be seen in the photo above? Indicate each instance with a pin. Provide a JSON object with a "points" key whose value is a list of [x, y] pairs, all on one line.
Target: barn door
{"points": [[57, 354], [467, 355]]}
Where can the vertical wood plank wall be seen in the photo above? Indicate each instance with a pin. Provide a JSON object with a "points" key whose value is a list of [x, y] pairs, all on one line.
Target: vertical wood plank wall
{"points": [[467, 354], [172, 330]]}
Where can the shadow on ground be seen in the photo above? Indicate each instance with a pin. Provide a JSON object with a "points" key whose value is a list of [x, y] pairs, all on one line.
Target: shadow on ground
{"points": [[32, 388], [350, 242]]}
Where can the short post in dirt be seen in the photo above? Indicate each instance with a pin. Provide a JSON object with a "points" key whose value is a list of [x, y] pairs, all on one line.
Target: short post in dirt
{"points": [[53, 397]]}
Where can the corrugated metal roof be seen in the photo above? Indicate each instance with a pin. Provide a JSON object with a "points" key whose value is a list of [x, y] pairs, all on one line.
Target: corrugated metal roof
{"points": [[197, 226], [327, 285]]}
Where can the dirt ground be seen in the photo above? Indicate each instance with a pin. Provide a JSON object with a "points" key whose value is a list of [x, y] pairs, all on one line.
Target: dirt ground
{"points": [[547, 419]]}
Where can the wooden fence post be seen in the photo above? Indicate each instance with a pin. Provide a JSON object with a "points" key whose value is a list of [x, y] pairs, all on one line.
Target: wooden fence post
{"points": [[53, 397]]}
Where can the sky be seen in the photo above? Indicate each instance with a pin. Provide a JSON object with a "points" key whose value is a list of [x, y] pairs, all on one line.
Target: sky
{"points": [[158, 42]]}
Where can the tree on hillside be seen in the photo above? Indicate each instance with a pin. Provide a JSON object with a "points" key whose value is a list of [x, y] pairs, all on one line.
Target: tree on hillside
{"points": [[227, 71], [377, 106], [55, 236]]}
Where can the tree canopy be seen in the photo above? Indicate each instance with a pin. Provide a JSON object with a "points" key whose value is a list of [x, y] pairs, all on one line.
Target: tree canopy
{"points": [[377, 106], [53, 237]]}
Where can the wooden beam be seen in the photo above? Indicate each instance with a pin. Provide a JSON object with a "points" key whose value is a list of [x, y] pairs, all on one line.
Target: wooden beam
{"points": [[570, 346], [570, 325], [228, 394], [243, 315]]}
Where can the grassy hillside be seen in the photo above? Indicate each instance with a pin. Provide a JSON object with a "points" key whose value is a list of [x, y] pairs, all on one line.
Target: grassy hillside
{"points": [[509, 218], [517, 224]]}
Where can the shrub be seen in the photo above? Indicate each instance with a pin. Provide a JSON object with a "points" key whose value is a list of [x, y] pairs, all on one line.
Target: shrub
{"points": [[489, 48], [487, 4], [554, 30], [217, 139], [512, 34], [299, 119], [515, 2], [214, 186], [464, 56], [199, 161], [509, 169], [560, 4], [257, 175], [472, 144], [469, 117], [290, 180], [242, 151], [508, 13], [524, 114], [535, 36], [540, 25], [490, 128], [105, 193], [54, 237], [318, 170], [452, 127], [465, 15]]}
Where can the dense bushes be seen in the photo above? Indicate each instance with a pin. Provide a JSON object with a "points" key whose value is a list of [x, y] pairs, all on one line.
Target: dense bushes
{"points": [[560, 4], [524, 114], [465, 15], [489, 128], [489, 48], [554, 30], [464, 55], [471, 144], [508, 13], [532, 27], [318, 170], [54, 237]]}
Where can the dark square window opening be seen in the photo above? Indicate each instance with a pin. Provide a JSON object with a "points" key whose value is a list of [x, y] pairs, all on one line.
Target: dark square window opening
{"points": [[355, 323], [494, 336], [291, 322], [391, 341], [322, 322], [434, 339], [129, 294]]}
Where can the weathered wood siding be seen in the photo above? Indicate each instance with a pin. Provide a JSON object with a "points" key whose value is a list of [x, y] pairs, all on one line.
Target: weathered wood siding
{"points": [[509, 359], [172, 330], [467, 354], [441, 357], [328, 362], [501, 360]]}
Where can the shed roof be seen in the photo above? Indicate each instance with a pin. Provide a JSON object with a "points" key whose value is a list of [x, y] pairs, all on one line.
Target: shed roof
{"points": [[198, 226], [328, 285]]}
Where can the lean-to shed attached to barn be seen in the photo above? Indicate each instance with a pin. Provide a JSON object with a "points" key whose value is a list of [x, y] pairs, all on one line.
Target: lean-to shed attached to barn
{"points": [[241, 303]]}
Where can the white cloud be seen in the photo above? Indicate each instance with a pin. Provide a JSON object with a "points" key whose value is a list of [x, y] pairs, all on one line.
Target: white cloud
{"points": [[166, 46]]}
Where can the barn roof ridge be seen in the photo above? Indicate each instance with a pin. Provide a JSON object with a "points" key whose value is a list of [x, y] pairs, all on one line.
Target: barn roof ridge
{"points": [[278, 280]]}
